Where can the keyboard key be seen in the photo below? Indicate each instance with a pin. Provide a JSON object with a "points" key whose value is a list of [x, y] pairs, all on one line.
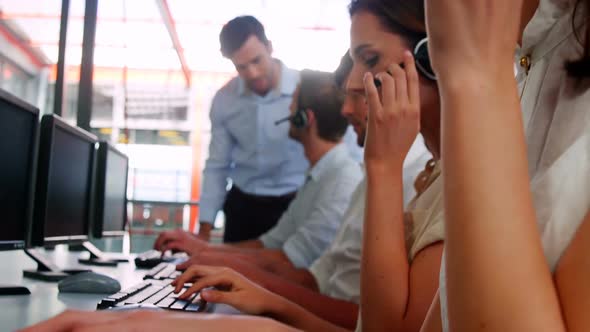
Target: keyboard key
{"points": [[118, 296], [143, 295], [180, 304], [106, 303], [166, 272], [194, 307], [197, 304], [137, 288], [155, 270], [165, 303], [160, 295], [152, 258]]}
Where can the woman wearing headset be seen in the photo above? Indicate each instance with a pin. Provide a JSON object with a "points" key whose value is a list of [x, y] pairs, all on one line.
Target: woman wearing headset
{"points": [[401, 251]]}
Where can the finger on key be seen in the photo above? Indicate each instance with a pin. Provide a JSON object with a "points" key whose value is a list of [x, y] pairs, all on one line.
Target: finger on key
{"points": [[192, 273]]}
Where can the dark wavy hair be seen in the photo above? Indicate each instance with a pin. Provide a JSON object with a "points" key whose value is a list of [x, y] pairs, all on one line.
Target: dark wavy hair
{"points": [[407, 18], [580, 68]]}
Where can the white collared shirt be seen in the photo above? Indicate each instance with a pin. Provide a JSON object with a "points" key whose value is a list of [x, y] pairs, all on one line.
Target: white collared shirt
{"points": [[557, 122], [314, 216]]}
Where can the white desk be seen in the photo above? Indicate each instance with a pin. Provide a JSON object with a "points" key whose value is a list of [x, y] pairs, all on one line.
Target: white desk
{"points": [[45, 301]]}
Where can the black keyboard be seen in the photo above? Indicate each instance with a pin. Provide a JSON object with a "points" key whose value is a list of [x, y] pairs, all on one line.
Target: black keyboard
{"points": [[151, 258], [163, 271], [154, 292]]}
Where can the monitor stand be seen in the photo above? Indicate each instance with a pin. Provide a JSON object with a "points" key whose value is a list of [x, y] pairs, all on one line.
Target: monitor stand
{"points": [[99, 258], [14, 290], [47, 271]]}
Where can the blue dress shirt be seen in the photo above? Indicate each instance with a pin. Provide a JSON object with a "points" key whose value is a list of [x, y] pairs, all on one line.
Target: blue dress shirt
{"points": [[247, 147], [313, 218]]}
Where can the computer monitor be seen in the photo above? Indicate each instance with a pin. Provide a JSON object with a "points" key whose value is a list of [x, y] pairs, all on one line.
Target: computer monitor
{"points": [[64, 190], [19, 130], [110, 202]]}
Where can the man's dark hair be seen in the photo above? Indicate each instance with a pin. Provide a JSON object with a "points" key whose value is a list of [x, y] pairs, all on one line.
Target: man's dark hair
{"points": [[341, 73], [319, 92], [235, 33]]}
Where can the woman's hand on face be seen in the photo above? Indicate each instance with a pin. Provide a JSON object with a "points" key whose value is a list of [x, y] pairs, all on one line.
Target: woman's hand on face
{"points": [[231, 288], [467, 36], [394, 117]]}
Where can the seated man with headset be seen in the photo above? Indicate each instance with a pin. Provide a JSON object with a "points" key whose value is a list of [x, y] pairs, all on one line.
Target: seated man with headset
{"points": [[312, 219]]}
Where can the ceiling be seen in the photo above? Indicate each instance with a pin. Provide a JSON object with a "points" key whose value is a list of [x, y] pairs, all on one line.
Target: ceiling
{"points": [[305, 33]]}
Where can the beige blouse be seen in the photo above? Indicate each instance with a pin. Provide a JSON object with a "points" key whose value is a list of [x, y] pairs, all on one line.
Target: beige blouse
{"points": [[424, 220]]}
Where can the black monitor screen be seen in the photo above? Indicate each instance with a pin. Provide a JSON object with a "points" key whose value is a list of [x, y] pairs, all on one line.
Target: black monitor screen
{"points": [[115, 192], [18, 127], [69, 181]]}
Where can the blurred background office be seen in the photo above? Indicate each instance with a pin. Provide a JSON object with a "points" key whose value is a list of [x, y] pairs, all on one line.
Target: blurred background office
{"points": [[142, 73]]}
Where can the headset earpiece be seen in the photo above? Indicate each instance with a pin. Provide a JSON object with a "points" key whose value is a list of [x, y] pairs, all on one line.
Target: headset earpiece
{"points": [[423, 60], [299, 119]]}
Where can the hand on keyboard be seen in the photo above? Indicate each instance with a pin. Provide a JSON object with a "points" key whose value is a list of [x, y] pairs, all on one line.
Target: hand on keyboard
{"points": [[150, 293], [232, 288], [179, 240]]}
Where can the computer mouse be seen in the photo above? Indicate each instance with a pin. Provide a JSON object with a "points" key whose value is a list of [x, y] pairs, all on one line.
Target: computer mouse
{"points": [[89, 282], [136, 306]]}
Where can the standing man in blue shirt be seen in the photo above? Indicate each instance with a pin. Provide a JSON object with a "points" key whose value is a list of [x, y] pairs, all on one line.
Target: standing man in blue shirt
{"points": [[265, 166]]}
